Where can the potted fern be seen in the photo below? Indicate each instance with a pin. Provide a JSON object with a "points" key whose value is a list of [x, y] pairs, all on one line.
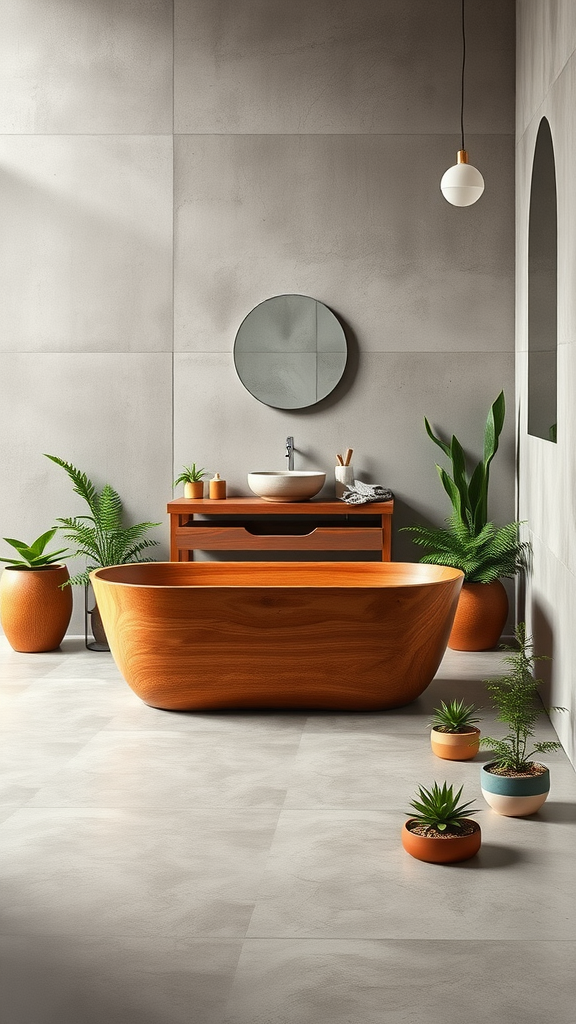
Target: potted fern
{"points": [[454, 736], [470, 542], [441, 831], [191, 477], [513, 783], [100, 535], [35, 606]]}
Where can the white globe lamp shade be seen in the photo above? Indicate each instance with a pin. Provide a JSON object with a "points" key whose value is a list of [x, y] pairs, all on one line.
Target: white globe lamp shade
{"points": [[462, 184]]}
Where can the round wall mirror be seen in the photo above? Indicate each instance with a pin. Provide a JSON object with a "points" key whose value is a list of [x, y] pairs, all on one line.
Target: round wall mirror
{"points": [[290, 351]]}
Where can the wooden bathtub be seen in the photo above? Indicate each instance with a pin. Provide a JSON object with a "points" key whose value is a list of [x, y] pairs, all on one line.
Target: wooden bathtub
{"points": [[340, 635]]}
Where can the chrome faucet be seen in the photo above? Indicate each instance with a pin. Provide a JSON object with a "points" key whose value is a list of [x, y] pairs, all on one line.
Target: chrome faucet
{"points": [[290, 452]]}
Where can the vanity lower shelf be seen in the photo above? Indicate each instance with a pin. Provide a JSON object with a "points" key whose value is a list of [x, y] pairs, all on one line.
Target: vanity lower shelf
{"points": [[253, 525]]}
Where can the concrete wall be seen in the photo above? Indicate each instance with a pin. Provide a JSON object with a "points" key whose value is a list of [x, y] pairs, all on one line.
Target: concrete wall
{"points": [[546, 87], [301, 151]]}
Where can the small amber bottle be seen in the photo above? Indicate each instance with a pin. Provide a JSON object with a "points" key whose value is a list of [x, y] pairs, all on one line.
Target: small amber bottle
{"points": [[217, 487]]}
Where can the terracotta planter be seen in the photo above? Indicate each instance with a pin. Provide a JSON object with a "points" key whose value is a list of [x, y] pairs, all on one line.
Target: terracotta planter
{"points": [[194, 489], [455, 746], [436, 850], [480, 617], [35, 612], [514, 795]]}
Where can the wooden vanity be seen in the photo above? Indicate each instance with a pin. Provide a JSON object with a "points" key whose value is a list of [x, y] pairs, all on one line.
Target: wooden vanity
{"points": [[251, 524]]}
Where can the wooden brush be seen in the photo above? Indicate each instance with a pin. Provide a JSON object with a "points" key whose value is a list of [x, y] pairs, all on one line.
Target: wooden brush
{"points": [[340, 460], [348, 456]]}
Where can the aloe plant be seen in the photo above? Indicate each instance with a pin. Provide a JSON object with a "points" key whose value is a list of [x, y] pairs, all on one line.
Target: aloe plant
{"points": [[515, 696], [34, 556], [469, 494], [189, 475], [456, 716], [438, 808], [100, 535]]}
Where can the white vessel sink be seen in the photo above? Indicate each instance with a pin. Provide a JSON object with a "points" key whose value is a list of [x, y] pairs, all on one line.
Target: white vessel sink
{"points": [[289, 485]]}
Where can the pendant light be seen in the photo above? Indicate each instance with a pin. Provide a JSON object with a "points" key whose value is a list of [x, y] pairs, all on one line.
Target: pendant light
{"points": [[462, 184]]}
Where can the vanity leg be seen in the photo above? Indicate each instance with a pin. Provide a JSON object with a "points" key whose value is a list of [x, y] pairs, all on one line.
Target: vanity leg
{"points": [[386, 538]]}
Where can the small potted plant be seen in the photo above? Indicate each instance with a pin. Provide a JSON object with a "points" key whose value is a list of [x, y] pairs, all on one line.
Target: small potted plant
{"points": [[35, 604], [512, 783], [192, 480], [441, 831], [454, 736]]}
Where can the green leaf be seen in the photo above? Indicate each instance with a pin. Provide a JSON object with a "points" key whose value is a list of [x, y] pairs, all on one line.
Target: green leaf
{"points": [[493, 429], [441, 444], [451, 490], [38, 546]]}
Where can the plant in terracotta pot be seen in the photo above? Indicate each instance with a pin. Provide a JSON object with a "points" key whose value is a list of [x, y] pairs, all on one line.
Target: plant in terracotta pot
{"points": [[100, 535], [454, 736], [441, 831], [191, 477], [485, 553], [513, 783], [35, 605]]}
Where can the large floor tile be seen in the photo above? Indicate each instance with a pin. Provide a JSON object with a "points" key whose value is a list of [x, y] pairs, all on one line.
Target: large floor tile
{"points": [[114, 872], [27, 762], [162, 769], [121, 980], [344, 874], [399, 982]]}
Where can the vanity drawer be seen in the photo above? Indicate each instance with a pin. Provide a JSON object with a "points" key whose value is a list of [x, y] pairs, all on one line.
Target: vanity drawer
{"points": [[238, 538]]}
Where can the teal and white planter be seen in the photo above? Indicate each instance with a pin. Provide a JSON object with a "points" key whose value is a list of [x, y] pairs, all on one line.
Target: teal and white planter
{"points": [[514, 796]]}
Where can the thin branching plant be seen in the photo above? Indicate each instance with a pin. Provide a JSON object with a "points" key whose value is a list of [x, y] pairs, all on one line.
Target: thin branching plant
{"points": [[515, 696]]}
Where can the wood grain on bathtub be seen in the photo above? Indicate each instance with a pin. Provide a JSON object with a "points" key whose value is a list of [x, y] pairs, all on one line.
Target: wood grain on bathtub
{"points": [[356, 636]]}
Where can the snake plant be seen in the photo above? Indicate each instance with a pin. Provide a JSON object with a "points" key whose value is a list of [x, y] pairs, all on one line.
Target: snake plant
{"points": [[469, 494], [100, 535]]}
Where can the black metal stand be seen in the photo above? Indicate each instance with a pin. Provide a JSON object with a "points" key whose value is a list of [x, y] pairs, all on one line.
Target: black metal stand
{"points": [[95, 645]]}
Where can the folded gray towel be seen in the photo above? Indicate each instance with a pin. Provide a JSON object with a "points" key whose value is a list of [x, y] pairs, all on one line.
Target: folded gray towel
{"points": [[359, 493]]}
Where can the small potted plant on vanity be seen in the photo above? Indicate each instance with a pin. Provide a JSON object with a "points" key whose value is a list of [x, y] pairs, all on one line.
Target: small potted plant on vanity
{"points": [[35, 604], [512, 783], [191, 477], [454, 736], [441, 831]]}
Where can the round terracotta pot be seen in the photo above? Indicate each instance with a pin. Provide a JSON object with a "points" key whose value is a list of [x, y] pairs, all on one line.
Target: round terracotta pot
{"points": [[480, 617], [455, 746], [436, 850], [514, 795], [194, 489], [35, 612]]}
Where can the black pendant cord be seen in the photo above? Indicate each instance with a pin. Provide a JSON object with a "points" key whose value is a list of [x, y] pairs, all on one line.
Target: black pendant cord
{"points": [[462, 82]]}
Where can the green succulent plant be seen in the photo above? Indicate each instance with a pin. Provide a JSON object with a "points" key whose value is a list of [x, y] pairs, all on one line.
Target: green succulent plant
{"points": [[483, 557], [438, 808], [34, 556], [100, 535], [190, 475], [515, 696], [456, 716]]}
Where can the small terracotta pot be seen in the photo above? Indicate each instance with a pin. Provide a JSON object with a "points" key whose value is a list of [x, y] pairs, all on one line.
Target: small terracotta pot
{"points": [[514, 796], [455, 746], [436, 850], [480, 617], [35, 612], [194, 489]]}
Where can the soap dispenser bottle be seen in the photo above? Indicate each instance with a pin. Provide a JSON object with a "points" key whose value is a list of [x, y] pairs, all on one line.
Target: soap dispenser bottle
{"points": [[217, 487]]}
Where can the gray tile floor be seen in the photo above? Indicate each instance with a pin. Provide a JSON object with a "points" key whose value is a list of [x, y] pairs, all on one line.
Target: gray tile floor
{"points": [[168, 868]]}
